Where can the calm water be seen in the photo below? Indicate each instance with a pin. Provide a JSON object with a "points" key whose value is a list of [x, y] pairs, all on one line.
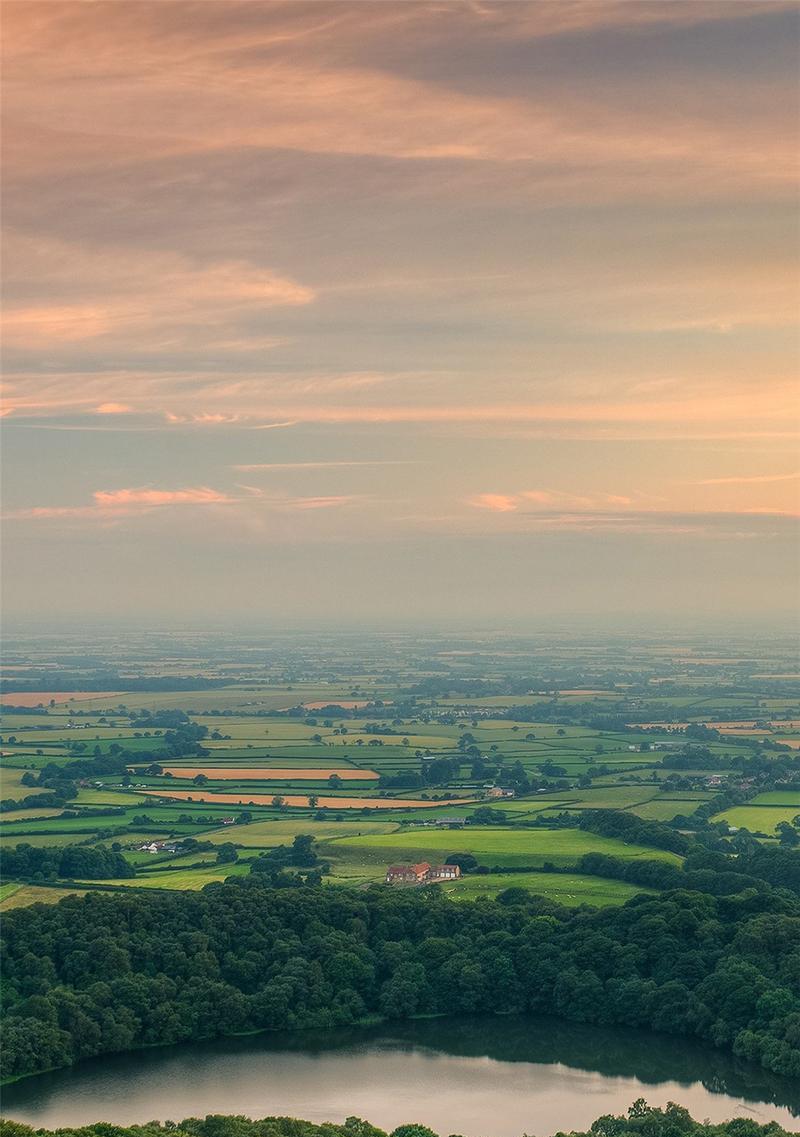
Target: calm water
{"points": [[482, 1078]]}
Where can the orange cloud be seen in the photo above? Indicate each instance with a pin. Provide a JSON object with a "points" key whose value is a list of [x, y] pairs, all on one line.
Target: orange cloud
{"points": [[112, 409], [114, 505], [201, 495], [329, 502], [142, 299], [747, 480], [496, 502], [550, 502], [111, 504]]}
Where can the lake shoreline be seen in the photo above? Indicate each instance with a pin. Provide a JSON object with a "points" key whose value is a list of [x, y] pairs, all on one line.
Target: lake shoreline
{"points": [[559, 1067]]}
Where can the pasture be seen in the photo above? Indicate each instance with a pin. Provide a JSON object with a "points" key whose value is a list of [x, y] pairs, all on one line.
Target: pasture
{"points": [[759, 819], [180, 880], [268, 834], [570, 889], [502, 847]]}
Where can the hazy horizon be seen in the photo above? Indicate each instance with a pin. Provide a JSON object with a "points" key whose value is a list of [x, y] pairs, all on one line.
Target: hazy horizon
{"points": [[460, 314]]}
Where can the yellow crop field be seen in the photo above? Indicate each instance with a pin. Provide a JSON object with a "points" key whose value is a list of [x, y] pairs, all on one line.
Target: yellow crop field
{"points": [[302, 800]]}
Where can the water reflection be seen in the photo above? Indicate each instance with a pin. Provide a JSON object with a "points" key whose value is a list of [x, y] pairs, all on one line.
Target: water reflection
{"points": [[496, 1077]]}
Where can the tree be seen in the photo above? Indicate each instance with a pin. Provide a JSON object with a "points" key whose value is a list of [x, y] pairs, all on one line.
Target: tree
{"points": [[787, 835], [465, 861], [334, 781], [227, 854]]}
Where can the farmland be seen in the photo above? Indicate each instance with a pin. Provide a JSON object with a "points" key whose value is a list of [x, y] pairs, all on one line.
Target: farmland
{"points": [[384, 750], [569, 889], [504, 847]]}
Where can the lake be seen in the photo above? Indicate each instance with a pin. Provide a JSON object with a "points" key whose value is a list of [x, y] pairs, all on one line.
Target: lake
{"points": [[497, 1077]]}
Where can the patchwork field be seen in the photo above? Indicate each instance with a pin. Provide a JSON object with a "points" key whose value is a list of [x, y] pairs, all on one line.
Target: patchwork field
{"points": [[414, 726]]}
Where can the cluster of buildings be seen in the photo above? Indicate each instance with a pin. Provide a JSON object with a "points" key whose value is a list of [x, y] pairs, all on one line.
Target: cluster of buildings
{"points": [[422, 873], [158, 847]]}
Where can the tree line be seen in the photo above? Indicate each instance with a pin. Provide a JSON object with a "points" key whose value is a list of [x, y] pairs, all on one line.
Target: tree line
{"points": [[73, 862], [641, 1121], [101, 973]]}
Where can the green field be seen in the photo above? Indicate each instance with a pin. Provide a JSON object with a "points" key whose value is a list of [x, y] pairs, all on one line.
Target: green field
{"points": [[569, 889], [778, 797], [268, 834], [758, 819], [182, 879], [664, 809], [491, 846]]}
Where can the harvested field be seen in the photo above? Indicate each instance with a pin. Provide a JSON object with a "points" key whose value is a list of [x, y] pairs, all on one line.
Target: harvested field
{"points": [[302, 800], [22, 896], [267, 774], [28, 814]]}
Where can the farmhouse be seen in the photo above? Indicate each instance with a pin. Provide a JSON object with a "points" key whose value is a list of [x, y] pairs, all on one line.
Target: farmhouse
{"points": [[407, 874], [421, 874], [157, 847], [444, 872]]}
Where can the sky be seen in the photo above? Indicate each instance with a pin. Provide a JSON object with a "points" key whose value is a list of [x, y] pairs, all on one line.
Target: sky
{"points": [[400, 311]]}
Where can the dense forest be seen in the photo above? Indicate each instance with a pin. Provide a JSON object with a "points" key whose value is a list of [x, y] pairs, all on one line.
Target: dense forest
{"points": [[101, 973], [641, 1121]]}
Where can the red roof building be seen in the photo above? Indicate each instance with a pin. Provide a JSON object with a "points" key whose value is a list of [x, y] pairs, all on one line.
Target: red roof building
{"points": [[422, 873]]}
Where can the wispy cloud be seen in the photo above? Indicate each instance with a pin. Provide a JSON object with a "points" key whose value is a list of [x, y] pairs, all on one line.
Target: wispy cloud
{"points": [[108, 504], [548, 501], [494, 502], [113, 409], [748, 479], [141, 300], [200, 495], [115, 505]]}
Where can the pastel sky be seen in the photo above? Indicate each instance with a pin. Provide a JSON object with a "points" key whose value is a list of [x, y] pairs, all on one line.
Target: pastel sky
{"points": [[400, 310]]}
